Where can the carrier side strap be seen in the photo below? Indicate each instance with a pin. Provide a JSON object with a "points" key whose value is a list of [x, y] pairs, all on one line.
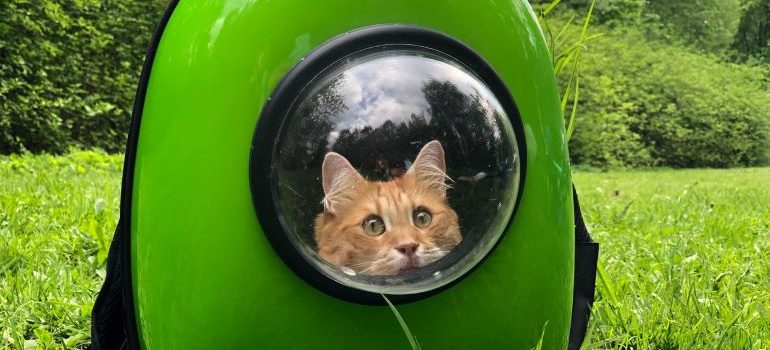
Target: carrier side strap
{"points": [[108, 317], [586, 256]]}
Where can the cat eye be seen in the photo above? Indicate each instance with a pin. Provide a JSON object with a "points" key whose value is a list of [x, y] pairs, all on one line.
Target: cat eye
{"points": [[373, 226], [422, 217]]}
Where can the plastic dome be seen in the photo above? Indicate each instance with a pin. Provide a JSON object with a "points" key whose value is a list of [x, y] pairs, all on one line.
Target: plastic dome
{"points": [[378, 108]]}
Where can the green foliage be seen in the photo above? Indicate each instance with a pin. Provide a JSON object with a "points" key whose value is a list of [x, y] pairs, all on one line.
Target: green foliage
{"points": [[57, 215], [646, 103], [753, 37], [683, 257], [615, 12], [707, 24], [620, 11], [68, 71], [605, 138]]}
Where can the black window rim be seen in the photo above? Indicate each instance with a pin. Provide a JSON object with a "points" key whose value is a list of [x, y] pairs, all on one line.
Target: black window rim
{"points": [[275, 112]]}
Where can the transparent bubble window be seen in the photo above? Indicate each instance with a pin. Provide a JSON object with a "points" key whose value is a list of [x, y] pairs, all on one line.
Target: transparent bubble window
{"points": [[396, 170]]}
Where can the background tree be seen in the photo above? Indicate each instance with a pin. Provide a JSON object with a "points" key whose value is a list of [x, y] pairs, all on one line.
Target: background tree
{"points": [[753, 36], [68, 71], [706, 24]]}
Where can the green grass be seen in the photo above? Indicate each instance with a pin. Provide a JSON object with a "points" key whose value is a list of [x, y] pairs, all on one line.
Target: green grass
{"points": [[57, 215], [685, 253]]}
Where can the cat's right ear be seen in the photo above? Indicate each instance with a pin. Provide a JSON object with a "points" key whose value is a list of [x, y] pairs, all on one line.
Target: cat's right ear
{"points": [[430, 167], [339, 178]]}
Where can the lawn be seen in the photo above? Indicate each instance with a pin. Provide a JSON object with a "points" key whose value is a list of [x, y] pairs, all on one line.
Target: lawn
{"points": [[56, 220], [684, 253]]}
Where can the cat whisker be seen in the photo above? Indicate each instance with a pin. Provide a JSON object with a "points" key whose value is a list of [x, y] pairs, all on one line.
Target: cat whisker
{"points": [[434, 176], [363, 265], [434, 251], [359, 266], [374, 270], [434, 254], [376, 266]]}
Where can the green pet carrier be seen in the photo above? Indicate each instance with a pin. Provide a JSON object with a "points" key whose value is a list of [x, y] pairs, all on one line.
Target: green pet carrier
{"points": [[238, 107]]}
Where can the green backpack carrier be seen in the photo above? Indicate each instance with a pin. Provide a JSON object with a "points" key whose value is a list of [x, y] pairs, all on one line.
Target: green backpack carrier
{"points": [[292, 164]]}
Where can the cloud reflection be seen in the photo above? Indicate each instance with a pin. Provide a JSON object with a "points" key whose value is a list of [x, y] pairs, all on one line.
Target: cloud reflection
{"points": [[386, 87]]}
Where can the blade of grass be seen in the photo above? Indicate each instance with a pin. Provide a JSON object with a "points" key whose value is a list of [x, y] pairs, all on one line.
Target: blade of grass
{"points": [[570, 56], [412, 339], [588, 20], [576, 74], [557, 41], [551, 6], [567, 93], [735, 319], [573, 113], [563, 61], [608, 286], [542, 335], [606, 283], [565, 27]]}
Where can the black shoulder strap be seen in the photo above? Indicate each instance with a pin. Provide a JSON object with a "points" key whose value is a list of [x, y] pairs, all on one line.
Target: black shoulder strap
{"points": [[108, 317], [586, 256]]}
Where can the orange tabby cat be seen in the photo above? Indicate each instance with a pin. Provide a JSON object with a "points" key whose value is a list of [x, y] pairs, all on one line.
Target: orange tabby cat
{"points": [[384, 228]]}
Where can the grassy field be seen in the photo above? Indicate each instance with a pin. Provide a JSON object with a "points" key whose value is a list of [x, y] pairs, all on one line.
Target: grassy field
{"points": [[56, 220], [685, 256], [684, 253]]}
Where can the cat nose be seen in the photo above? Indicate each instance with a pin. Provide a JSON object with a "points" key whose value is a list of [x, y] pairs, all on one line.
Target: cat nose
{"points": [[408, 249]]}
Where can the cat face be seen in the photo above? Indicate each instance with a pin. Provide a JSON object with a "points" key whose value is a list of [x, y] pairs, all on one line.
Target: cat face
{"points": [[385, 228]]}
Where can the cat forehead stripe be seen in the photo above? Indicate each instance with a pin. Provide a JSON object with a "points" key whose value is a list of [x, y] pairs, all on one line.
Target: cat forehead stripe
{"points": [[407, 206]]}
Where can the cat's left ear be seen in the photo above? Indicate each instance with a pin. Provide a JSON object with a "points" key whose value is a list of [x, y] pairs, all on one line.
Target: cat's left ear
{"points": [[339, 179], [430, 168]]}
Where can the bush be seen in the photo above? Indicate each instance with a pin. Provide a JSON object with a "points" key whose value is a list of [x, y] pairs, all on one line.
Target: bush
{"points": [[68, 71], [708, 25], [603, 136], [646, 103], [620, 11]]}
